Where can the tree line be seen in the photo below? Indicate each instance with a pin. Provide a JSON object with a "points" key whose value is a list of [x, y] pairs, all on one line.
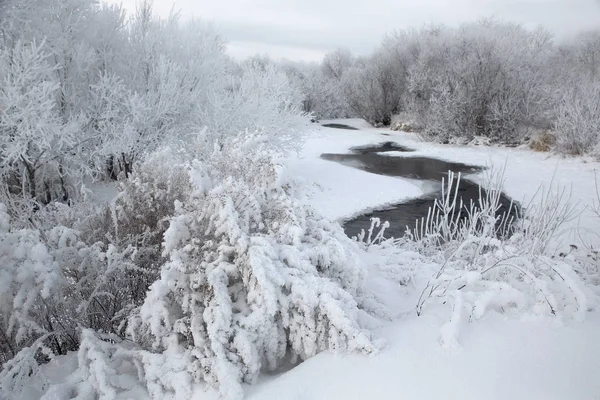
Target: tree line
{"points": [[489, 79]]}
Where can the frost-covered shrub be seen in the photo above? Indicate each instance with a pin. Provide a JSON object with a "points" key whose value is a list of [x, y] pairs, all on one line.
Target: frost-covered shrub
{"points": [[83, 267], [253, 276], [29, 279], [129, 235], [577, 124], [146, 201], [55, 285]]}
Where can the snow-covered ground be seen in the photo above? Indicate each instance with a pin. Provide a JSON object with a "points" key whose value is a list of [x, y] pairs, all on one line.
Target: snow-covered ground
{"points": [[498, 358]]}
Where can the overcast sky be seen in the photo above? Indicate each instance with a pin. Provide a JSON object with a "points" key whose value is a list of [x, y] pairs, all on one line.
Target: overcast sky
{"points": [[307, 29]]}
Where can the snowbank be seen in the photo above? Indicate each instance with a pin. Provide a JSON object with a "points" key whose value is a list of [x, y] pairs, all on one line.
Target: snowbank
{"points": [[498, 359]]}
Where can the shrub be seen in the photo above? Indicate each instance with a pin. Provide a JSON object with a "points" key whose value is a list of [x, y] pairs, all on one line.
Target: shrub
{"points": [[577, 124], [252, 277]]}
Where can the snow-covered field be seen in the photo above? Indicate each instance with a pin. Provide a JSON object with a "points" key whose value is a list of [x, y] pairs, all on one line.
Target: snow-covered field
{"points": [[498, 357]]}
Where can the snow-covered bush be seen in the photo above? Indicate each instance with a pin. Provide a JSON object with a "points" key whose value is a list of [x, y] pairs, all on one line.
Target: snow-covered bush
{"points": [[30, 280], [587, 254], [60, 284], [577, 124], [480, 261], [253, 277], [90, 275]]}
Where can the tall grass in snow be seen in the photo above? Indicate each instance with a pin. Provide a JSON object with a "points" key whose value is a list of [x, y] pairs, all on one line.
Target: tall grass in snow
{"points": [[492, 257]]}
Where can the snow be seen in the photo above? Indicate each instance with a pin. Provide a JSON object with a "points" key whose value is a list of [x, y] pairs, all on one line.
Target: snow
{"points": [[336, 191], [342, 192], [495, 357], [498, 359], [102, 192]]}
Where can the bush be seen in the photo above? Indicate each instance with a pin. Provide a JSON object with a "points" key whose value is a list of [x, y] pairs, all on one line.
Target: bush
{"points": [[577, 124], [83, 268], [273, 279], [543, 142]]}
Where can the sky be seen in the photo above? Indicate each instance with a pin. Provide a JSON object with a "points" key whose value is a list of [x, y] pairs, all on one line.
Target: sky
{"points": [[307, 29]]}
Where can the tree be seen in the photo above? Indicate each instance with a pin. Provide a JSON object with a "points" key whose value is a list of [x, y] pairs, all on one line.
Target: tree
{"points": [[576, 107], [479, 82], [372, 88], [36, 140], [336, 63]]}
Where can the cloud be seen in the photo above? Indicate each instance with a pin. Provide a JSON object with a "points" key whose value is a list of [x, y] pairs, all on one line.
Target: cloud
{"points": [[245, 49], [313, 27]]}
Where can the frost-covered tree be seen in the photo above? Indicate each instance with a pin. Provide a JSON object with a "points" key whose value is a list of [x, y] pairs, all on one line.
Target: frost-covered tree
{"points": [[486, 79], [336, 63], [45, 49], [36, 141], [259, 98], [372, 88], [110, 89], [576, 101], [489, 78]]}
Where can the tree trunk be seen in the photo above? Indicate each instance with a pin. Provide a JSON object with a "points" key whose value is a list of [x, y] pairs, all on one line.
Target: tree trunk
{"points": [[30, 178]]}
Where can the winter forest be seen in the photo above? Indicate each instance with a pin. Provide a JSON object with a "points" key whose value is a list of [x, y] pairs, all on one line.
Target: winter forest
{"points": [[170, 230]]}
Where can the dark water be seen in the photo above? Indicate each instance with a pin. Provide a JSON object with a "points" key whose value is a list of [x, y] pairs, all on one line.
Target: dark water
{"points": [[340, 126], [380, 148], [405, 214], [421, 168]]}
